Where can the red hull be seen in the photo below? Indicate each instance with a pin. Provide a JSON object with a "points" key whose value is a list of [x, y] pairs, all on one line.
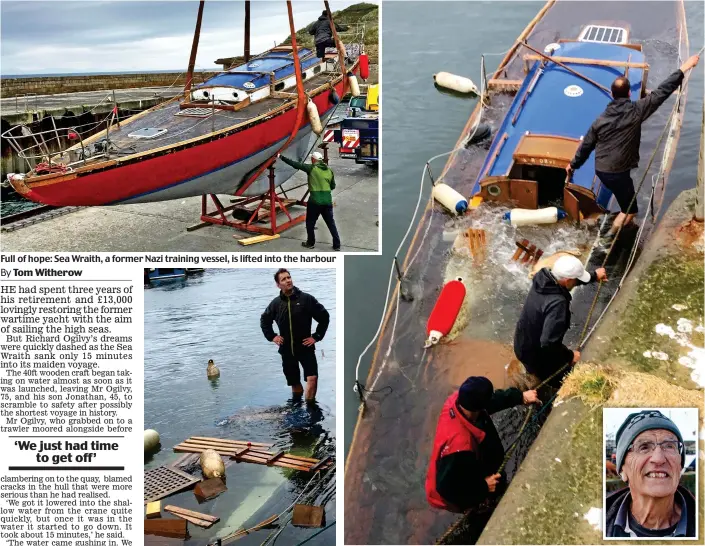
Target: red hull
{"points": [[125, 181]]}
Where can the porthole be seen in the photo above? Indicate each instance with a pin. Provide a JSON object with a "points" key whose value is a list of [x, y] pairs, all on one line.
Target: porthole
{"points": [[279, 86], [494, 190]]}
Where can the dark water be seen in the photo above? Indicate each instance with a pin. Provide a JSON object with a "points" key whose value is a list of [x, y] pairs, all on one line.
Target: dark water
{"points": [[420, 39], [216, 316]]}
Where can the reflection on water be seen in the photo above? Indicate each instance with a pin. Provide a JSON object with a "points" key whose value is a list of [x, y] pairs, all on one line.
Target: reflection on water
{"points": [[216, 316]]}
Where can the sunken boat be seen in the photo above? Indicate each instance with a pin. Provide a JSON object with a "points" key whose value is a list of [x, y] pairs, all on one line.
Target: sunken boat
{"points": [[218, 137], [540, 102]]}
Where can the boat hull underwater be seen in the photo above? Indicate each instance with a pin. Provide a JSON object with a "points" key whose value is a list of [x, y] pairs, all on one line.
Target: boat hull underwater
{"points": [[385, 501]]}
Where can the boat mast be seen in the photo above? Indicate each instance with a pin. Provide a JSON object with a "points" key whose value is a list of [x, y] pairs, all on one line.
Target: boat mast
{"points": [[194, 50], [301, 102], [247, 31], [338, 45]]}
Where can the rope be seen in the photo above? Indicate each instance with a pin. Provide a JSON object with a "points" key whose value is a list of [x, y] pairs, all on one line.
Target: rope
{"points": [[358, 387], [583, 335]]}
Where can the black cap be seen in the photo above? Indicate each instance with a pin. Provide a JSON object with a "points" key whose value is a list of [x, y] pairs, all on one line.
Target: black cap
{"points": [[475, 393]]}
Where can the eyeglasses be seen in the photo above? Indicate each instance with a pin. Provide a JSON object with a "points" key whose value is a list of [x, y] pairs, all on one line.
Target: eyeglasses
{"points": [[669, 447]]}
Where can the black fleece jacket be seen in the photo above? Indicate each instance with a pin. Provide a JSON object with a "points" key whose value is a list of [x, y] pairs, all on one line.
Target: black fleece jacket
{"points": [[293, 316], [616, 134], [544, 321], [321, 29], [460, 477]]}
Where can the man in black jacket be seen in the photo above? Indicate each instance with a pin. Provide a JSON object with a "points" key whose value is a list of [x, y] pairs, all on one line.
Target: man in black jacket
{"points": [[467, 450], [293, 311], [323, 35], [616, 136], [545, 318]]}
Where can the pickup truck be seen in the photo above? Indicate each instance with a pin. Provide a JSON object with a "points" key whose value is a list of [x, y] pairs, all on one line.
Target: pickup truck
{"points": [[358, 135]]}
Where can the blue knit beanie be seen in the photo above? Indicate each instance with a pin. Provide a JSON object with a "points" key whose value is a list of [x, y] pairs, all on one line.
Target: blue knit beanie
{"points": [[475, 393], [639, 422]]}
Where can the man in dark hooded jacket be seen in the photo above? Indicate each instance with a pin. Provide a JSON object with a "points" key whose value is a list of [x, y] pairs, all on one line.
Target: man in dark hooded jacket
{"points": [[467, 450], [545, 318], [323, 35], [616, 136], [293, 311]]}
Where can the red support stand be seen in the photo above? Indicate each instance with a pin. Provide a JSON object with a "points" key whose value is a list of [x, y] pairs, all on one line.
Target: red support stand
{"points": [[276, 203]]}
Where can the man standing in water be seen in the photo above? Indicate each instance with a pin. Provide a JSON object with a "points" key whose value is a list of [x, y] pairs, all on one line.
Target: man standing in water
{"points": [[293, 311], [545, 319], [321, 183], [616, 136]]}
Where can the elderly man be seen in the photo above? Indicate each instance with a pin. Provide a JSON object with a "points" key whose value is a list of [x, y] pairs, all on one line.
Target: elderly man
{"points": [[467, 450], [293, 311], [616, 136], [545, 318], [321, 182], [650, 457]]}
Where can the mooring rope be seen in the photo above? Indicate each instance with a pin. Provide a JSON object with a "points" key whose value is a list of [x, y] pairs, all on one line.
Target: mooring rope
{"points": [[358, 387]]}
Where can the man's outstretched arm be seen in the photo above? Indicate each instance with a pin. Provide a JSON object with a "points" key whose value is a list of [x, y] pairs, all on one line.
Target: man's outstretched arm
{"points": [[650, 103]]}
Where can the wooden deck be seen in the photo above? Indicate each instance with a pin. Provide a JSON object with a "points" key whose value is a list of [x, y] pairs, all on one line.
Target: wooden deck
{"points": [[180, 128]]}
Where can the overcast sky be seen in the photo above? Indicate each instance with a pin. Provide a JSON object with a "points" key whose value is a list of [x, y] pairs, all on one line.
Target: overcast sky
{"points": [[93, 36], [686, 419]]}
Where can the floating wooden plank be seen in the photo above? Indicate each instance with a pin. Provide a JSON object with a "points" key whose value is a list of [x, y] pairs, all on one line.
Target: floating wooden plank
{"points": [[192, 517], [306, 515], [235, 442], [209, 489], [163, 481], [173, 528], [253, 457], [154, 510], [216, 443], [258, 239], [178, 510], [200, 522], [520, 249], [321, 464], [529, 254], [241, 452], [273, 459]]}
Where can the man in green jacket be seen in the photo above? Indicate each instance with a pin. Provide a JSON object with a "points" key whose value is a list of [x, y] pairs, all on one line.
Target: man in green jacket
{"points": [[321, 181]]}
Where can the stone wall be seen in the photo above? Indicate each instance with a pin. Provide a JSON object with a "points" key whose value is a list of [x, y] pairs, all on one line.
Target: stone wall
{"points": [[12, 87]]}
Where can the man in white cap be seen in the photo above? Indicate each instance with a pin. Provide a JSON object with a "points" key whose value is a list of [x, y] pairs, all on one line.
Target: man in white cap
{"points": [[545, 318], [321, 181]]}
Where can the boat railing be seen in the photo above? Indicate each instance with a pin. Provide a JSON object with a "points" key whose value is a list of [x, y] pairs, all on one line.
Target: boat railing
{"points": [[53, 150]]}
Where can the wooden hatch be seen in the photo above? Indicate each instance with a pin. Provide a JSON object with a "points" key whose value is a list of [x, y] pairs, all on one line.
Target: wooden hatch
{"points": [[546, 150]]}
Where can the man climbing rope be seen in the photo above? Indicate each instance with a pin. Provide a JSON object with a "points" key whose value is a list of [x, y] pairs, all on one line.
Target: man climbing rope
{"points": [[545, 319], [467, 450], [616, 135], [293, 311], [323, 34], [321, 181]]}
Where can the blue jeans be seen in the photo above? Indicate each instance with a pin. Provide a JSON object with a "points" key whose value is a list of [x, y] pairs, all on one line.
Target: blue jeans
{"points": [[312, 214]]}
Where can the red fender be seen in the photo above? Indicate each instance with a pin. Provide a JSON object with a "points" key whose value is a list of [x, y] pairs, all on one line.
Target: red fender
{"points": [[364, 66], [447, 307]]}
